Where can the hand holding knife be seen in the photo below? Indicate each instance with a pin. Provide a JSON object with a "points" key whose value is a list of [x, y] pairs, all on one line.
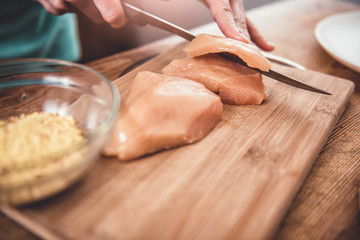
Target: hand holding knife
{"points": [[141, 17], [112, 12]]}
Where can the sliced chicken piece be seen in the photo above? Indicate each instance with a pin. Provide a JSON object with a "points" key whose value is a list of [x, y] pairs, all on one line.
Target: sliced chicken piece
{"points": [[235, 83], [250, 54], [163, 112]]}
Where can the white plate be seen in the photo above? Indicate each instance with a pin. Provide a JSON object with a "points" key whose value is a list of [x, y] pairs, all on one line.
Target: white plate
{"points": [[339, 35]]}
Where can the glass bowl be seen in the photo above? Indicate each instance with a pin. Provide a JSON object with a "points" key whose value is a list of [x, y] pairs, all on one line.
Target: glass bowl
{"points": [[40, 160]]}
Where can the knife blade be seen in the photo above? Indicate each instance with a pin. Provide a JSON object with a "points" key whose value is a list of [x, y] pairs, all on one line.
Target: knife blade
{"points": [[141, 17]]}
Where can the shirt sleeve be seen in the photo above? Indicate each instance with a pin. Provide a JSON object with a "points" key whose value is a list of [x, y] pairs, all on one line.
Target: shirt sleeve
{"points": [[28, 30]]}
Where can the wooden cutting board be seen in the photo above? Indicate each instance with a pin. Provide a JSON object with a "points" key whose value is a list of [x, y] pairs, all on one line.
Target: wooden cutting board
{"points": [[236, 183]]}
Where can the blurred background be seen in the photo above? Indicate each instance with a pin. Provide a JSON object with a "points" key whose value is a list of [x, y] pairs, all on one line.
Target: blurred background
{"points": [[99, 40]]}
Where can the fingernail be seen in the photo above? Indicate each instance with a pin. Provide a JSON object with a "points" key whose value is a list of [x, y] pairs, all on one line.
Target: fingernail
{"points": [[271, 44], [242, 37]]}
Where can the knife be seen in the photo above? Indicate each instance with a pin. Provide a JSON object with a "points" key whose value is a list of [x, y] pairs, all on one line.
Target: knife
{"points": [[141, 18]]}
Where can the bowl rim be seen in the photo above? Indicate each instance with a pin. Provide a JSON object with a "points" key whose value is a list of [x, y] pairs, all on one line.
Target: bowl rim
{"points": [[67, 176], [105, 125]]}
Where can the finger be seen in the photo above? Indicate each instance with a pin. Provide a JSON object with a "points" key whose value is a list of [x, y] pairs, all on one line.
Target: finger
{"points": [[60, 5], [239, 15], [224, 17], [87, 8], [112, 12], [257, 38], [56, 7]]}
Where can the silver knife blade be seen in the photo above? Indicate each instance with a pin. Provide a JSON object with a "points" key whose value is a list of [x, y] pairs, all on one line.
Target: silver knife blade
{"points": [[277, 76], [141, 17]]}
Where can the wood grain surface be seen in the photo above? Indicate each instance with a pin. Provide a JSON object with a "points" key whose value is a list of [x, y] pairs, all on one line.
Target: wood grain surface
{"points": [[326, 206], [235, 183]]}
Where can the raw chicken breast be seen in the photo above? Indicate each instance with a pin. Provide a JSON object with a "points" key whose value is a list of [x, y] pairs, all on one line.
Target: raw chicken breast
{"points": [[235, 83], [205, 43], [163, 112]]}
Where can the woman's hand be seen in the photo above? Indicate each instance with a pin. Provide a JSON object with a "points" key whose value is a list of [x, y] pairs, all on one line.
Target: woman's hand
{"points": [[109, 11], [229, 14], [232, 20]]}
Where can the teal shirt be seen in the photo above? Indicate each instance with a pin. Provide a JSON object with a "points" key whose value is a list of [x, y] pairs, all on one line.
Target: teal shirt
{"points": [[28, 30]]}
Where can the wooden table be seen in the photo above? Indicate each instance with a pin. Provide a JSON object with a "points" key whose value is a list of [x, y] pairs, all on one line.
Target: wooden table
{"points": [[327, 205]]}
